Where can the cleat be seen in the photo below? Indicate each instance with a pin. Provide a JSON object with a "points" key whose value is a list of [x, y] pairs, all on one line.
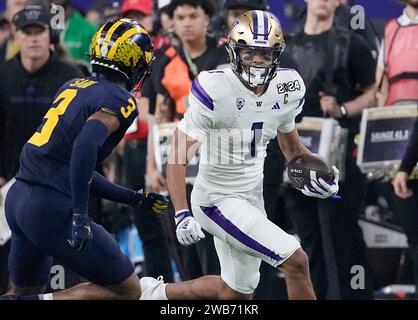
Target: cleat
{"points": [[151, 288]]}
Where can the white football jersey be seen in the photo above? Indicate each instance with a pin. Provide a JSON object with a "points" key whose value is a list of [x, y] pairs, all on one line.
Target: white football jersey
{"points": [[235, 125]]}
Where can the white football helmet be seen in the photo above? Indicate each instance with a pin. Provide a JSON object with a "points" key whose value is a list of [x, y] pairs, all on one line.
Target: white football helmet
{"points": [[255, 30]]}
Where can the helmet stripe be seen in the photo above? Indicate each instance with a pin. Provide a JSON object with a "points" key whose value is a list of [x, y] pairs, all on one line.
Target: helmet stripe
{"points": [[148, 56], [261, 25], [255, 25], [120, 40], [266, 26], [98, 33], [110, 33]]}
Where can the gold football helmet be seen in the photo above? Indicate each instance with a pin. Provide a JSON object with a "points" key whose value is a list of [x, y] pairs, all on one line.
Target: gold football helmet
{"points": [[123, 46], [259, 31]]}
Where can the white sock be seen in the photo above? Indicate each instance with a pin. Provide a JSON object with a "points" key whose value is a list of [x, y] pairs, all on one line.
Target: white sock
{"points": [[47, 296], [162, 295]]}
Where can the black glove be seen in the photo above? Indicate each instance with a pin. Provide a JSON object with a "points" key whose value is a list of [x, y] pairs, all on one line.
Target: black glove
{"points": [[81, 233], [153, 202]]}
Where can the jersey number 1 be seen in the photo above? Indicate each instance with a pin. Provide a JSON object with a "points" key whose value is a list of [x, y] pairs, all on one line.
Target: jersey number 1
{"points": [[257, 132], [52, 116]]}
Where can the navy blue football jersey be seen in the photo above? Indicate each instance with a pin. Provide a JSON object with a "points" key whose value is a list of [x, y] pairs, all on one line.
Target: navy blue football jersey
{"points": [[45, 158]]}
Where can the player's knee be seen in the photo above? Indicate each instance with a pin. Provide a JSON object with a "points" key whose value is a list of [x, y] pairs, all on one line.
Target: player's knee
{"points": [[133, 292], [297, 265]]}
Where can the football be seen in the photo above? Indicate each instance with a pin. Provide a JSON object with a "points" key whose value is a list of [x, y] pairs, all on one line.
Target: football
{"points": [[304, 167]]}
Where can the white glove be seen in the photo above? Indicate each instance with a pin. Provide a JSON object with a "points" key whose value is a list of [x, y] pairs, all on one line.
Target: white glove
{"points": [[188, 230], [322, 189]]}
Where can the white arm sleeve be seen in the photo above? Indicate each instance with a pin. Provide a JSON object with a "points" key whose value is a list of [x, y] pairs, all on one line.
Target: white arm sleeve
{"points": [[197, 121], [295, 105], [199, 117], [289, 124]]}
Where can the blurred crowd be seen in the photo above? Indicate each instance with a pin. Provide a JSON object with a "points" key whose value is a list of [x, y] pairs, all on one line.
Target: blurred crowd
{"points": [[345, 71]]}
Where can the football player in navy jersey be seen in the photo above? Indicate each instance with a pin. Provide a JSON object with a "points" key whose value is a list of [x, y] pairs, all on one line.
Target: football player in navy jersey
{"points": [[47, 207]]}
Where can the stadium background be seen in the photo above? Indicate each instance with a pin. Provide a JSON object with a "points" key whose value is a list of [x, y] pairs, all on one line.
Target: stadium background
{"points": [[376, 9], [379, 11]]}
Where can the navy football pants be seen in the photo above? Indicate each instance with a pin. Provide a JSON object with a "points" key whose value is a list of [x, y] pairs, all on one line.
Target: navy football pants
{"points": [[40, 219]]}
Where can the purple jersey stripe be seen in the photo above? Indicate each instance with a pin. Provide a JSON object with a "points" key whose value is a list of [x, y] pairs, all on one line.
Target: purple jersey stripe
{"points": [[266, 26], [216, 215], [301, 102], [255, 25], [201, 94]]}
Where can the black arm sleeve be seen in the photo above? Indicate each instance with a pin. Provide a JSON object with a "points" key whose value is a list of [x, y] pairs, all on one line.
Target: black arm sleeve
{"points": [[410, 157], [83, 162], [105, 189]]}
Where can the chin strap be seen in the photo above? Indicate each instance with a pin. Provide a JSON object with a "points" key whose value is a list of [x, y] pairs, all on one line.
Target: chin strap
{"points": [[256, 77]]}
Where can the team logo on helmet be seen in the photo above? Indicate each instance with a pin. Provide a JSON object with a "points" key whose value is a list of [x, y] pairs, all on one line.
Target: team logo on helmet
{"points": [[124, 46], [255, 30]]}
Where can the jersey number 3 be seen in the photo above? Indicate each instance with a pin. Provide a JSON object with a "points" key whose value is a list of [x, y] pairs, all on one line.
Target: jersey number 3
{"points": [[52, 117]]}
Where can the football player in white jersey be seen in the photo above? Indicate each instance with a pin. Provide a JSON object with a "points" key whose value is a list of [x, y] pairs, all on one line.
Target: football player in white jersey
{"points": [[232, 115]]}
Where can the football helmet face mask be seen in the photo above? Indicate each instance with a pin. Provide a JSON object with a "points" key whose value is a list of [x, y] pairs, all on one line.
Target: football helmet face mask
{"points": [[258, 31], [123, 46]]}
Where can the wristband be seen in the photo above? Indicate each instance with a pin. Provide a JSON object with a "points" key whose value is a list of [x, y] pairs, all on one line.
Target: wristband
{"points": [[343, 110]]}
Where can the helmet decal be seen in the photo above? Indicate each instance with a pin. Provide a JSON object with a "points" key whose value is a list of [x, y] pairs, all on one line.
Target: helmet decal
{"points": [[124, 46], [255, 30], [128, 54]]}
